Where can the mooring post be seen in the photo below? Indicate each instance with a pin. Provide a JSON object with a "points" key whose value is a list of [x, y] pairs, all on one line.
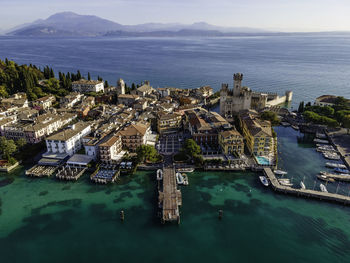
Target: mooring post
{"points": [[221, 213], [122, 216]]}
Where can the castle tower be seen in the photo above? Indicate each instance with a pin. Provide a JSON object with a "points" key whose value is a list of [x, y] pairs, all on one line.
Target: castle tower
{"points": [[120, 87], [223, 95], [237, 84]]}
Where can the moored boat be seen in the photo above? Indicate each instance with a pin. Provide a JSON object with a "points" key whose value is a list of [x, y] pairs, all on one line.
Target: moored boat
{"points": [[336, 165], [295, 127], [280, 172], [264, 180], [325, 178], [302, 185], [321, 141], [179, 178], [185, 170], [159, 174], [285, 182], [341, 171], [323, 188]]}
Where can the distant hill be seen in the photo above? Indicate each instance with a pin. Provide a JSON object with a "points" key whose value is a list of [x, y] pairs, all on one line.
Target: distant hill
{"points": [[72, 24]]}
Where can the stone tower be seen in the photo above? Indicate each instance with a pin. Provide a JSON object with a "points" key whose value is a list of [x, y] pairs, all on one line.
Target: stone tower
{"points": [[120, 87], [224, 92], [237, 84]]}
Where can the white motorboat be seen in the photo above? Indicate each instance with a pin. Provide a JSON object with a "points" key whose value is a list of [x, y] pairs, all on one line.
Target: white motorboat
{"points": [[323, 188], [285, 182], [264, 180], [302, 185], [295, 127], [325, 178], [321, 141], [280, 172], [159, 174], [321, 136], [336, 165], [331, 156], [179, 178], [185, 179], [186, 170]]}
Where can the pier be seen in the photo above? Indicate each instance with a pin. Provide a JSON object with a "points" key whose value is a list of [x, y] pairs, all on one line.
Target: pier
{"points": [[41, 171], [304, 192], [169, 196], [70, 173], [105, 174]]}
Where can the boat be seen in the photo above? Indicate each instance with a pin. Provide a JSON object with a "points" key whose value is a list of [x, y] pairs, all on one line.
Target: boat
{"points": [[186, 170], [285, 182], [321, 141], [179, 178], [336, 165], [302, 185], [185, 179], [264, 180], [341, 171], [280, 172], [321, 136], [295, 127], [325, 178], [331, 156], [323, 188], [159, 174], [285, 124]]}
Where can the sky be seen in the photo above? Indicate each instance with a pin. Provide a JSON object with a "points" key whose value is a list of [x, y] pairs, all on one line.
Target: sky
{"points": [[280, 15]]}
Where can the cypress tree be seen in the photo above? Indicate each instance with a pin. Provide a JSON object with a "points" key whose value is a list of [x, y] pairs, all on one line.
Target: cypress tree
{"points": [[78, 75], [89, 77], [106, 84]]}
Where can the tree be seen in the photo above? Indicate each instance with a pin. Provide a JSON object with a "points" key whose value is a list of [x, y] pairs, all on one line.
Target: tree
{"points": [[146, 152], [21, 142], [3, 92], [7, 147], [301, 107], [270, 116], [106, 84], [346, 122], [89, 77], [191, 148]]}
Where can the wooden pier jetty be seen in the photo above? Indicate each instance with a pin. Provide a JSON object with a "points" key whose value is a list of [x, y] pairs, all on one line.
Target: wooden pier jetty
{"points": [[304, 192], [169, 196]]}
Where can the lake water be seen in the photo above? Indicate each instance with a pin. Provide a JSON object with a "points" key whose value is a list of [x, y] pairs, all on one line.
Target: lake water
{"points": [[308, 65], [46, 220]]}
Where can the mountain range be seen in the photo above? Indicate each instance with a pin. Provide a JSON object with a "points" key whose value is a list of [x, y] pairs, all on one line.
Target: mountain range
{"points": [[72, 24]]}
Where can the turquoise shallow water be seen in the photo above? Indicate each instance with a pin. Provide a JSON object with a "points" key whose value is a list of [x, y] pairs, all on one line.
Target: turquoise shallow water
{"points": [[50, 221]]}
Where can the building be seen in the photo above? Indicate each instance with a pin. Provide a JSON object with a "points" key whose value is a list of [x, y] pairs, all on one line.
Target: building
{"points": [[110, 149], [326, 100], [164, 92], [232, 101], [204, 92], [44, 102], [231, 142], [134, 136], [17, 100], [120, 87], [71, 100], [168, 122], [144, 90], [128, 99], [257, 133], [68, 141], [204, 127], [85, 86], [46, 125]]}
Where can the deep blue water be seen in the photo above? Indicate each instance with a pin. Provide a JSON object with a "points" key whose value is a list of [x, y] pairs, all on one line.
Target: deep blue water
{"points": [[308, 65]]}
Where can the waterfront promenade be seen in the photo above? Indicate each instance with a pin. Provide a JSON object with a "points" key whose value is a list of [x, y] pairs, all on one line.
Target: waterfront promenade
{"points": [[169, 196], [304, 192]]}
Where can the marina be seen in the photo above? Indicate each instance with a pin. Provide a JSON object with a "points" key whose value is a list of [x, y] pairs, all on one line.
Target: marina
{"points": [[321, 195]]}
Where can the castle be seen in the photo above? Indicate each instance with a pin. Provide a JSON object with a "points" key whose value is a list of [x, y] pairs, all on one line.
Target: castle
{"points": [[232, 101]]}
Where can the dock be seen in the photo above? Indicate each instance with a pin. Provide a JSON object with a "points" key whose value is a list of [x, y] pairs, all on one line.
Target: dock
{"points": [[304, 192], [70, 173], [105, 174], [169, 196], [41, 171]]}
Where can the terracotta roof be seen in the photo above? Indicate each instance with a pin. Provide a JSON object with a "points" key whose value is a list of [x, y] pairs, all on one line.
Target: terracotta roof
{"points": [[110, 141], [230, 133], [134, 129]]}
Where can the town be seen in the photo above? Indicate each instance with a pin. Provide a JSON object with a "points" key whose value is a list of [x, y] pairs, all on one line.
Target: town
{"points": [[110, 131]]}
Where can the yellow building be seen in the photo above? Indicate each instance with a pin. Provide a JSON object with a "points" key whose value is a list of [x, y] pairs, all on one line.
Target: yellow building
{"points": [[231, 142], [169, 122], [257, 133]]}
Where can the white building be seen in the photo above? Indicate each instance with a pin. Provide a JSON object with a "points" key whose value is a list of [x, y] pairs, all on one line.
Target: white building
{"points": [[68, 141], [85, 86], [325, 100], [71, 99]]}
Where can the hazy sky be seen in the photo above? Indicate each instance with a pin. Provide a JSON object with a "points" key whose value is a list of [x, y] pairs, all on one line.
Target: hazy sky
{"points": [[283, 15]]}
